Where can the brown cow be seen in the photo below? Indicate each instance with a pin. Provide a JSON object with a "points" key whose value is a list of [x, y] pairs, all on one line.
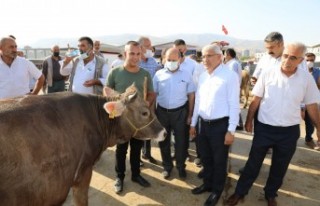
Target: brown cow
{"points": [[50, 143], [245, 86]]}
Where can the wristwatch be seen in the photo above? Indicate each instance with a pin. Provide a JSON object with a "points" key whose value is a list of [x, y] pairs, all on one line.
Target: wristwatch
{"points": [[231, 132]]}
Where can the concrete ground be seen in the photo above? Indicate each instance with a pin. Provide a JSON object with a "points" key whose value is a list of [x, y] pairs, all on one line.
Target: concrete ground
{"points": [[300, 186]]}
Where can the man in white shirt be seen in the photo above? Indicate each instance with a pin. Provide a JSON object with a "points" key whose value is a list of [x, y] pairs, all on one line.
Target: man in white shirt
{"points": [[234, 65], [187, 64], [278, 94], [217, 106], [16, 72], [117, 62], [175, 97], [274, 44], [87, 72]]}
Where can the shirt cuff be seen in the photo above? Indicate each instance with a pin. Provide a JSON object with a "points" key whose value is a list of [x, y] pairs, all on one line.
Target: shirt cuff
{"points": [[232, 127]]}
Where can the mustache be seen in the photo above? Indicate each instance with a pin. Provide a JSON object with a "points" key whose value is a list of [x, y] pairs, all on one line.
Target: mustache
{"points": [[271, 53]]}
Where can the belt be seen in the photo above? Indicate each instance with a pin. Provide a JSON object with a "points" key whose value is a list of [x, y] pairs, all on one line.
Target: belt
{"points": [[172, 110], [212, 121]]}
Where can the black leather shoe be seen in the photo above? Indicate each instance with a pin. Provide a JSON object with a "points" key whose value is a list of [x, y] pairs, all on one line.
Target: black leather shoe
{"points": [[212, 199], [141, 181], [152, 160], [201, 174], [182, 173], [118, 185], [166, 174], [201, 189]]}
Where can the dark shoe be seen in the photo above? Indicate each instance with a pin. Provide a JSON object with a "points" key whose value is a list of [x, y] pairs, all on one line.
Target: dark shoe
{"points": [[166, 174], [234, 199], [311, 144], [118, 185], [141, 181], [271, 201], [201, 189], [241, 170], [182, 173], [152, 160], [212, 200], [201, 174]]}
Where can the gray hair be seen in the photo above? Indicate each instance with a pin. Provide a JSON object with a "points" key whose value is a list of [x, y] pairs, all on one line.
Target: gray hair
{"points": [[213, 47], [300, 46], [142, 39]]}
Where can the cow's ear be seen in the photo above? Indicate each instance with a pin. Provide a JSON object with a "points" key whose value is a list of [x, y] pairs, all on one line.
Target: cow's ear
{"points": [[108, 92], [114, 109]]}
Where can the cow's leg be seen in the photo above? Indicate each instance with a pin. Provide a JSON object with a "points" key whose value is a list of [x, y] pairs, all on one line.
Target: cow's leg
{"points": [[80, 189]]}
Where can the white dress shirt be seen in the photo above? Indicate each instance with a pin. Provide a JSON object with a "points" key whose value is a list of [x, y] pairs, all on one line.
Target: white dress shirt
{"points": [[218, 96], [172, 89], [268, 62], [282, 96], [197, 72], [14, 80], [235, 66], [84, 73]]}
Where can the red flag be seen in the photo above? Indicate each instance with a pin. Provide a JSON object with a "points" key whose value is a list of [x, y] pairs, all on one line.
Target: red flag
{"points": [[224, 29]]}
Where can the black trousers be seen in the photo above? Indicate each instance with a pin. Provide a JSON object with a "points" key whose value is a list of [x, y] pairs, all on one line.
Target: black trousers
{"points": [[146, 149], [214, 153], [309, 127], [283, 141], [173, 121], [121, 152]]}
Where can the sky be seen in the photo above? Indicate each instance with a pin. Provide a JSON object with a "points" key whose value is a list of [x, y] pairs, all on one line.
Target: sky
{"points": [[31, 20]]}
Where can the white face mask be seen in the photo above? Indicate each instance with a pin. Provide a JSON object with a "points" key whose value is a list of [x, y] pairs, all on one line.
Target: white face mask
{"points": [[310, 64], [172, 66], [148, 53]]}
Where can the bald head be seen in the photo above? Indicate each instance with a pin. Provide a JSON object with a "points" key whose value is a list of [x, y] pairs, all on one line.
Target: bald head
{"points": [[6, 40], [8, 49], [55, 48], [172, 54]]}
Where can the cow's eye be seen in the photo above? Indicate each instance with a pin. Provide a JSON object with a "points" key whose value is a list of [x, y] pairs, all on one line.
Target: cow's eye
{"points": [[144, 113]]}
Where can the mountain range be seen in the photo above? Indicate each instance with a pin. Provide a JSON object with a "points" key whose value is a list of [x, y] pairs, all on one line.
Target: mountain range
{"points": [[198, 40]]}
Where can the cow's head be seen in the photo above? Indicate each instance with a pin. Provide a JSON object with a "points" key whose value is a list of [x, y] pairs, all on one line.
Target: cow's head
{"points": [[136, 119]]}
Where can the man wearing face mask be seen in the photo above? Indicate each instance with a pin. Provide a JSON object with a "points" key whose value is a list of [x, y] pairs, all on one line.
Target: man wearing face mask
{"points": [[175, 96], [190, 66], [87, 71], [55, 82], [310, 58], [148, 63]]}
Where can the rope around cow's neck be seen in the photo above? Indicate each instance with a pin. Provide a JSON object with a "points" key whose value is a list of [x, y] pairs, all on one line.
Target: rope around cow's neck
{"points": [[138, 129]]}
